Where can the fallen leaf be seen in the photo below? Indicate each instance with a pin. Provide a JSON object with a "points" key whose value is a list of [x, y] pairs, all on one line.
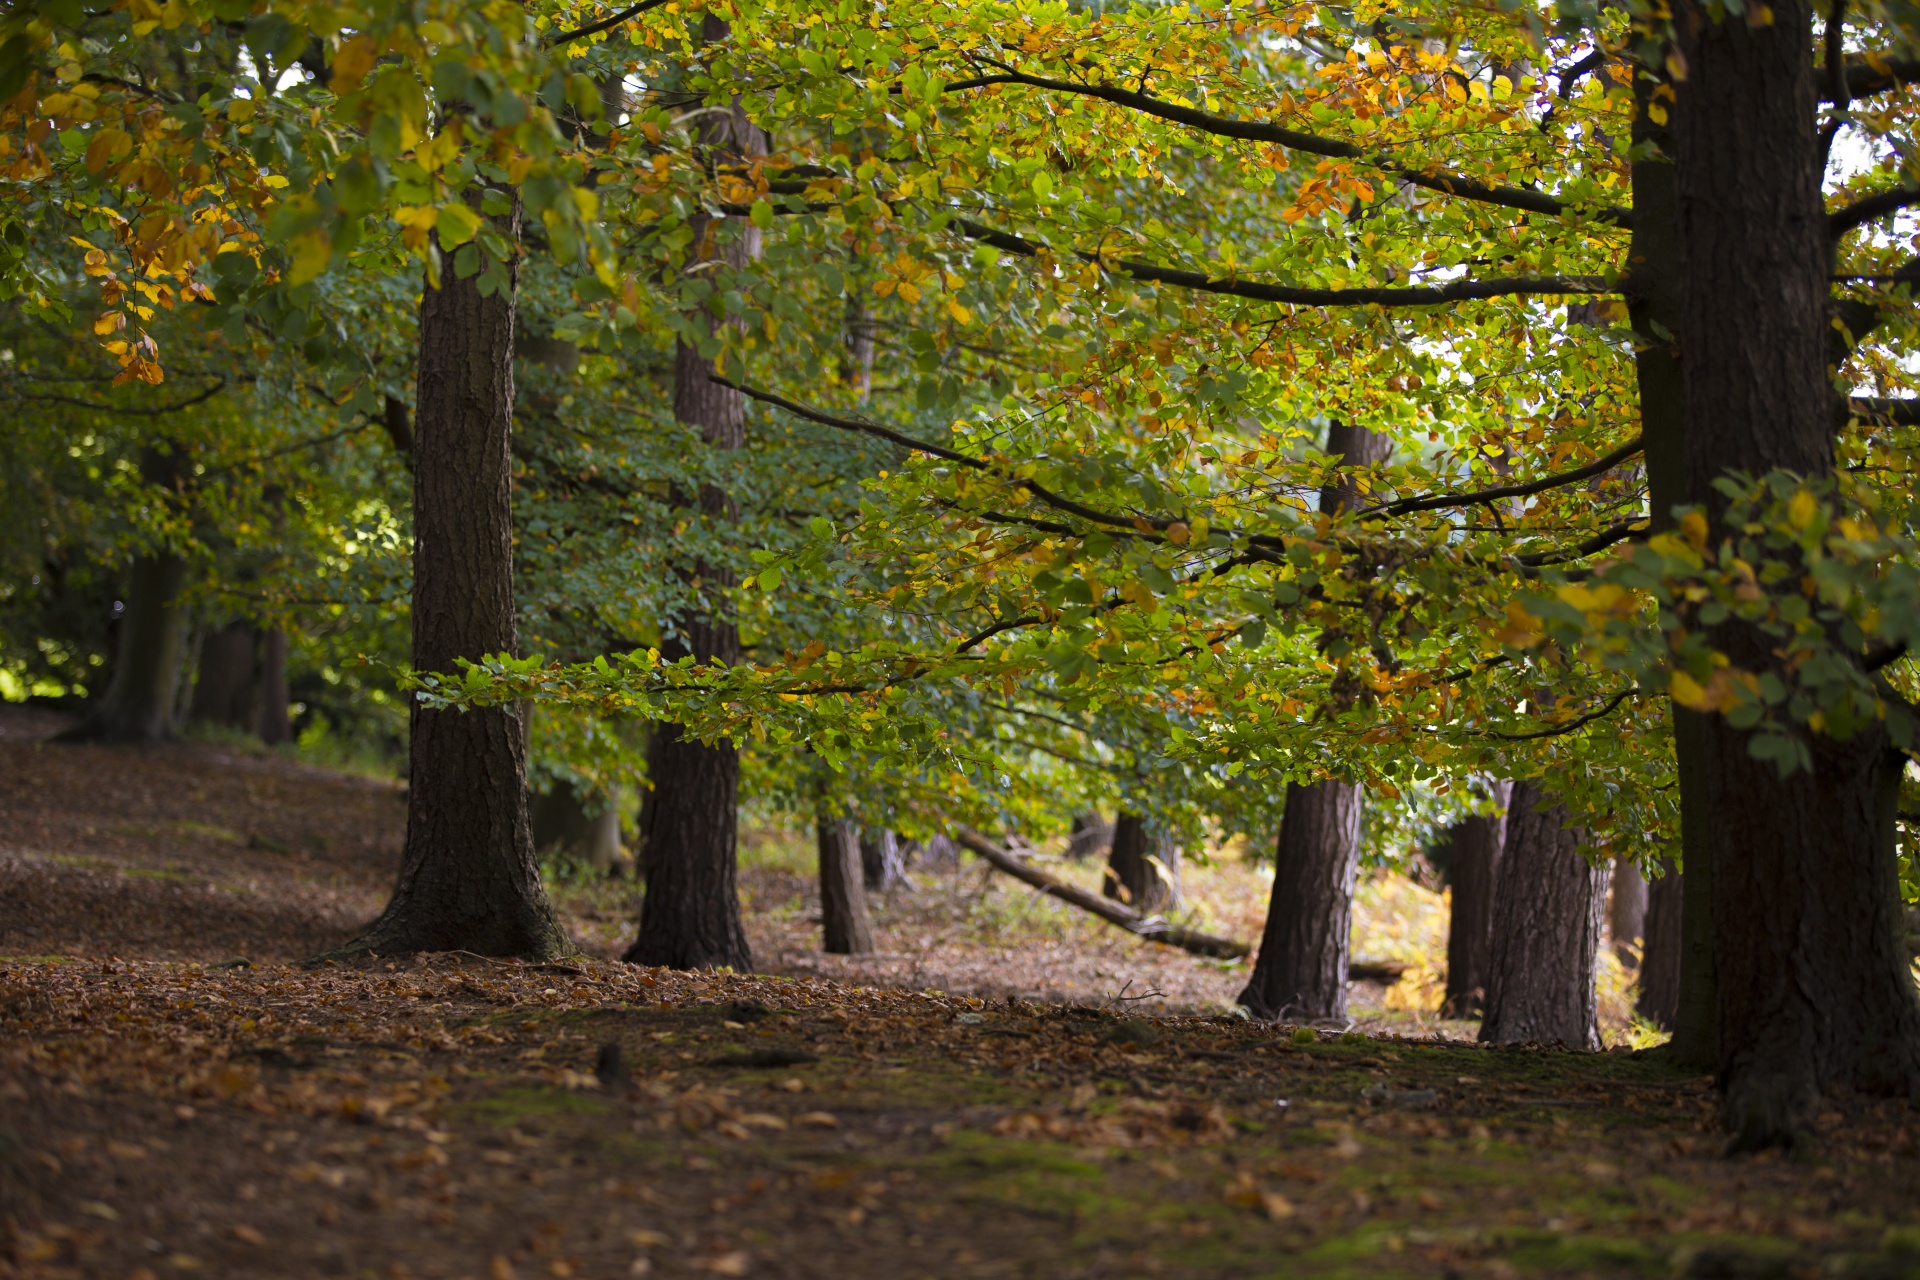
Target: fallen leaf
{"points": [[817, 1120], [247, 1233]]}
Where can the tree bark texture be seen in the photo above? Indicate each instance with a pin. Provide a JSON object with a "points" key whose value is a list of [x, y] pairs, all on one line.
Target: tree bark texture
{"points": [[1143, 867], [845, 922], [1477, 845], [1548, 906], [1627, 912], [1659, 998], [468, 880], [690, 916], [1301, 972], [1816, 996], [883, 860]]}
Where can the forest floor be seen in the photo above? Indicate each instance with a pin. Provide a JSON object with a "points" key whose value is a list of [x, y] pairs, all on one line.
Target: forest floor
{"points": [[179, 1096]]}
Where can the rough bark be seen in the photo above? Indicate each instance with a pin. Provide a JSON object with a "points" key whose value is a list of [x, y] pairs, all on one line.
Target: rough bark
{"points": [[1654, 305], [1547, 911], [846, 924], [690, 916], [1659, 998], [468, 880], [1627, 912], [1301, 972], [1477, 844], [1805, 902], [883, 860], [1143, 867]]}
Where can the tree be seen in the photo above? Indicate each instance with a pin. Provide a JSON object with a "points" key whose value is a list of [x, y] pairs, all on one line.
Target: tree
{"points": [[1659, 998], [1627, 911], [468, 880], [1142, 866], [1474, 870], [690, 917], [1548, 905], [845, 922], [883, 861]]}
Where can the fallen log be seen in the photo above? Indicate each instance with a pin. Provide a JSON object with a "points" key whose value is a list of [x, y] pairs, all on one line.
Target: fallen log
{"points": [[1153, 928]]}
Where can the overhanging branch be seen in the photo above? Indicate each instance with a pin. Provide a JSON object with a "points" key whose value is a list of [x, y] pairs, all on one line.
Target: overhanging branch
{"points": [[1599, 466]]}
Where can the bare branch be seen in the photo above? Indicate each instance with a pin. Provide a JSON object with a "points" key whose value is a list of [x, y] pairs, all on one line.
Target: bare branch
{"points": [[1599, 466], [595, 28]]}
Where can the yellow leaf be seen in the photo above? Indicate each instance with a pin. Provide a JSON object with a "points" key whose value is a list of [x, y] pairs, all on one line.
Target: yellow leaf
{"points": [[1688, 692], [275, 181], [1656, 113], [1694, 525], [351, 64], [311, 251], [109, 322], [108, 146], [959, 312], [457, 224], [1802, 509], [434, 153]]}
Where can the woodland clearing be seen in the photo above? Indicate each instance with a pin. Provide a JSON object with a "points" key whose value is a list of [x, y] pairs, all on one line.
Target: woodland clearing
{"points": [[183, 1097]]}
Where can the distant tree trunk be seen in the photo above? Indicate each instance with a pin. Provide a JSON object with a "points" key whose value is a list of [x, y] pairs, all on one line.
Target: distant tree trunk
{"points": [[1548, 905], [690, 916], [1142, 867], [1302, 967], [582, 828], [1627, 912], [139, 703], [845, 921], [468, 880], [271, 722], [224, 692], [882, 861], [1089, 835], [1477, 844], [1659, 997], [1818, 997], [1301, 971]]}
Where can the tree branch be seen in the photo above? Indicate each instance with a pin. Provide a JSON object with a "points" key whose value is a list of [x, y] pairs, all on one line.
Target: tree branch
{"points": [[50, 398], [1599, 466], [1864, 79], [1571, 725], [1415, 296], [1869, 208], [1451, 184], [595, 28]]}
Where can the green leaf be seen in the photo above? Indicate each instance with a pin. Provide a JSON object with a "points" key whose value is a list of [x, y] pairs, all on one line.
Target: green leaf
{"points": [[456, 224]]}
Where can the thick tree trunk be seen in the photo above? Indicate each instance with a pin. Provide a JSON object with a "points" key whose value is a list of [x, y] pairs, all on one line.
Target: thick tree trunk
{"points": [[1477, 846], [468, 880], [272, 723], [1654, 303], [690, 917], [1805, 901], [1659, 998], [224, 692], [845, 922], [1142, 867], [1627, 912], [883, 862], [1547, 911], [1301, 972]]}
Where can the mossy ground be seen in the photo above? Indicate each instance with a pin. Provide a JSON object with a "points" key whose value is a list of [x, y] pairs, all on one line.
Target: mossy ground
{"points": [[456, 1117]]}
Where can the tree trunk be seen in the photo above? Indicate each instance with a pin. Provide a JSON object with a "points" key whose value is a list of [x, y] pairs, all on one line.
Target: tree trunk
{"points": [[883, 862], [690, 917], [1090, 834], [139, 704], [223, 693], [845, 921], [584, 829], [1627, 912], [1477, 845], [1654, 303], [1659, 999], [271, 689], [1805, 900], [1301, 972], [1547, 909], [468, 880], [1142, 867]]}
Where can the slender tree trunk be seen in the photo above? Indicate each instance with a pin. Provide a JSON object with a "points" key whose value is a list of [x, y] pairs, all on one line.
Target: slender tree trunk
{"points": [[1805, 900], [582, 828], [139, 703], [1302, 967], [1477, 845], [224, 692], [882, 861], [468, 880], [1659, 999], [1654, 303], [1547, 910], [1627, 912], [1142, 867], [845, 921], [1089, 835], [690, 917], [272, 723], [1301, 971]]}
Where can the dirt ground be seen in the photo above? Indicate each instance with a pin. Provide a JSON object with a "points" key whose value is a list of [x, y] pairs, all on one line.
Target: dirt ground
{"points": [[180, 1097]]}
